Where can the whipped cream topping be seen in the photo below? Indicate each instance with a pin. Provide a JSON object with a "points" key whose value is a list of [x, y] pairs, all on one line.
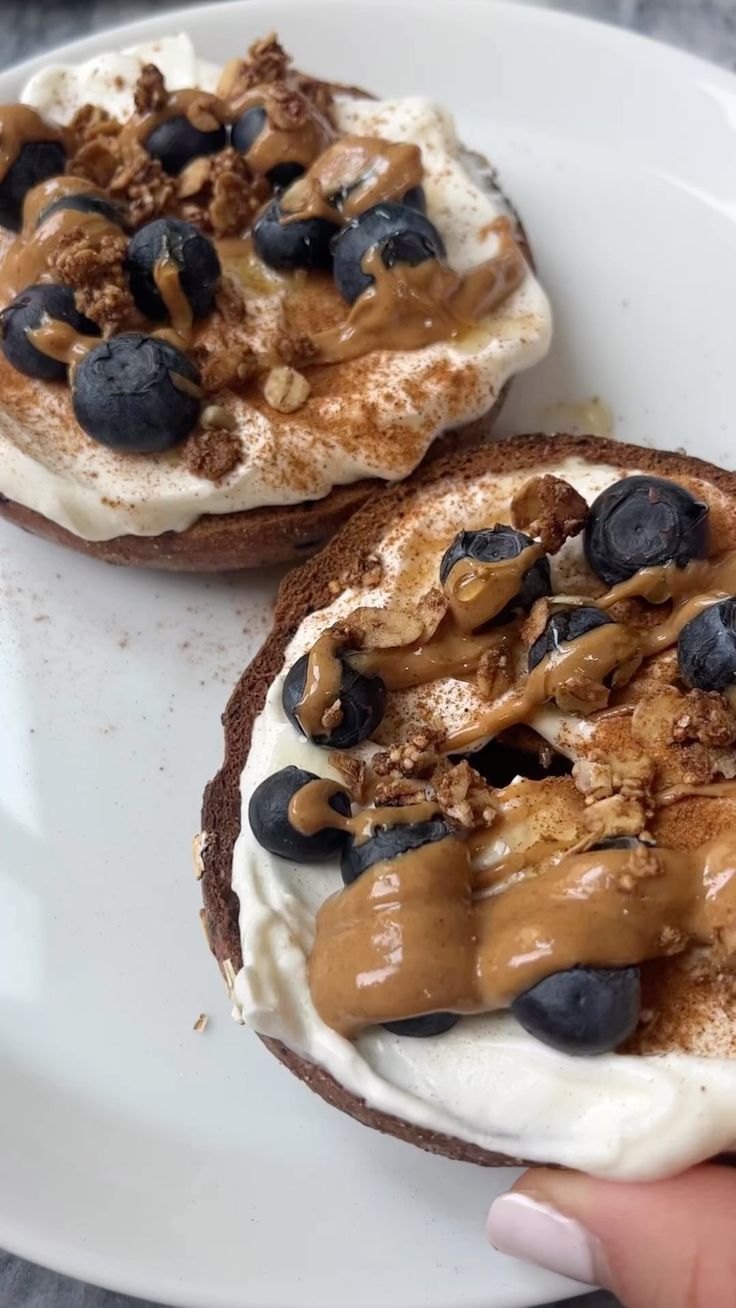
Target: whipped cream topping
{"points": [[371, 417], [485, 1081]]}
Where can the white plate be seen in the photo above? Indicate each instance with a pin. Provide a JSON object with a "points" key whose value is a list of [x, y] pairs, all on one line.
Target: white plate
{"points": [[192, 1168]]}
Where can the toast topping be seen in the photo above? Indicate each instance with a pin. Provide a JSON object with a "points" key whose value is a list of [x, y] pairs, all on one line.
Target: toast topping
{"points": [[241, 189], [237, 146], [454, 900]]}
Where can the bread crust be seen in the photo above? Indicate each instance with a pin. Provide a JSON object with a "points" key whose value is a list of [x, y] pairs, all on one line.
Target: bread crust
{"points": [[307, 589], [222, 542]]}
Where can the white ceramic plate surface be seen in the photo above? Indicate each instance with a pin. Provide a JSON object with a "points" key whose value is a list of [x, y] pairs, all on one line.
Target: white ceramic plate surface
{"points": [[193, 1168]]}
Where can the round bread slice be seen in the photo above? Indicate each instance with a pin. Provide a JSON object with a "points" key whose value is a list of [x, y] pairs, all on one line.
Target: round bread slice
{"points": [[308, 589], [276, 533]]}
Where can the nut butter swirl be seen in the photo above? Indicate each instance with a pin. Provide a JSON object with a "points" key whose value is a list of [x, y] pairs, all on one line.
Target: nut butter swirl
{"points": [[408, 308], [476, 593], [352, 175], [293, 129], [438, 929], [310, 811], [613, 650], [20, 125], [31, 256], [322, 685], [203, 110], [60, 341], [606, 908], [601, 659]]}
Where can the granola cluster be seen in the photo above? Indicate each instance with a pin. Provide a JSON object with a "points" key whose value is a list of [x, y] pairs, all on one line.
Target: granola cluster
{"points": [[268, 64], [213, 453], [95, 269], [220, 194], [549, 509]]}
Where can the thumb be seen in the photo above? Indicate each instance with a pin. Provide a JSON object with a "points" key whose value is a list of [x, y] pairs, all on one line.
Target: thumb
{"points": [[659, 1244]]}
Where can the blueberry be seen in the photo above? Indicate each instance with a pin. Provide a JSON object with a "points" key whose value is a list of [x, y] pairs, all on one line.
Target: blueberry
{"points": [[176, 142], [283, 174], [268, 815], [431, 1024], [244, 135], [362, 700], [584, 1010], [248, 127], [85, 202], [31, 309], [644, 522], [416, 199], [706, 648], [491, 546], [388, 843], [401, 233], [188, 248], [563, 626], [303, 243], [36, 162], [125, 394]]}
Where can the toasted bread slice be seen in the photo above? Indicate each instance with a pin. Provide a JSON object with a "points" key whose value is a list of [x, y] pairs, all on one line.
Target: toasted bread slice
{"points": [[692, 1018]]}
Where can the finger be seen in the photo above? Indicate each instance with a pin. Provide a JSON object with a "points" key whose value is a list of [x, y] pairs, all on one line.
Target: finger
{"points": [[660, 1244]]}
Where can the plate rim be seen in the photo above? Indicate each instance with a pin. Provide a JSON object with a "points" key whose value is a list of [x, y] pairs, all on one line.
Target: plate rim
{"points": [[76, 1260], [516, 10]]}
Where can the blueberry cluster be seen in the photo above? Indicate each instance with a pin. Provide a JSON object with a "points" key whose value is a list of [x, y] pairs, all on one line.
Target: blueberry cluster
{"points": [[128, 392], [176, 142], [400, 233], [134, 393], [647, 522]]}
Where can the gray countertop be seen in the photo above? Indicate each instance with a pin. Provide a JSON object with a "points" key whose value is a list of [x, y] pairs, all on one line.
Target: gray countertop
{"points": [[707, 27]]}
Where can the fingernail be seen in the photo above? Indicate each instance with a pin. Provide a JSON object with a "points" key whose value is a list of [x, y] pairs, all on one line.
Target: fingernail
{"points": [[536, 1233]]}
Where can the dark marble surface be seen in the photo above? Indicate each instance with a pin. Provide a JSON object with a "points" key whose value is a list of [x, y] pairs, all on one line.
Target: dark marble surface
{"points": [[707, 27]]}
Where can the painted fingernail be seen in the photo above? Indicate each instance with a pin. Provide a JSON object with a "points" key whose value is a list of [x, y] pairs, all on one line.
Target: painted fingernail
{"points": [[536, 1233]]}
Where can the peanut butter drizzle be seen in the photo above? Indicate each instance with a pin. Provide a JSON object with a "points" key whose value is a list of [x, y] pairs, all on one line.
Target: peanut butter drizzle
{"points": [[61, 341], [322, 685], [205, 111], [168, 284], [54, 188], [605, 908], [31, 255], [300, 143], [610, 650], [19, 126], [591, 658], [711, 579], [450, 653], [407, 307], [478, 592], [310, 811], [353, 174], [370, 960], [712, 789]]}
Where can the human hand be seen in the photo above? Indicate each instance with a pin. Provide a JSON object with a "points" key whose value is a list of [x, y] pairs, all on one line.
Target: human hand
{"points": [[660, 1244]]}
